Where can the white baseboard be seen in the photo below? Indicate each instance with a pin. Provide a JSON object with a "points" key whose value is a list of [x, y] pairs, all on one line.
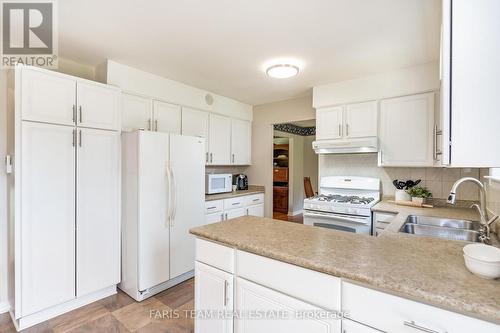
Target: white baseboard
{"points": [[295, 213], [4, 307], [38, 317]]}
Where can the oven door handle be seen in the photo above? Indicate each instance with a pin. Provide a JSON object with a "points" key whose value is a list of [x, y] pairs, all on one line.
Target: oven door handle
{"points": [[362, 220]]}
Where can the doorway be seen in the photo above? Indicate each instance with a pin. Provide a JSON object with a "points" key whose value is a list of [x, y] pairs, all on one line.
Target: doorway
{"points": [[293, 160]]}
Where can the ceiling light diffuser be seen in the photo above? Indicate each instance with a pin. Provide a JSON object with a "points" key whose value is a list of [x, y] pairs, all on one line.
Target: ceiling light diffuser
{"points": [[282, 71]]}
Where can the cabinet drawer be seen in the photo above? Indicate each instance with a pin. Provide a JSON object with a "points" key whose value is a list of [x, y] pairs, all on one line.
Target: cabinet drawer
{"points": [[215, 255], [280, 174], [349, 326], [233, 203], [383, 217], [214, 206], [313, 287], [404, 316], [254, 199]]}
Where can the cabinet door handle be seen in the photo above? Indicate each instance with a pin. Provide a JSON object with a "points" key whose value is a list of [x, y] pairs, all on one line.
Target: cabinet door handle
{"points": [[73, 135], [347, 129], [80, 111], [435, 137], [226, 216], [156, 125], [225, 292], [233, 158], [206, 157], [80, 138], [340, 130], [420, 328], [211, 157], [149, 124], [222, 217], [74, 113]]}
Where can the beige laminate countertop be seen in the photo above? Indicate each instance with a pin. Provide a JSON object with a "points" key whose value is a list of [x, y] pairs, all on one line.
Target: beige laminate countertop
{"points": [[252, 189], [427, 270]]}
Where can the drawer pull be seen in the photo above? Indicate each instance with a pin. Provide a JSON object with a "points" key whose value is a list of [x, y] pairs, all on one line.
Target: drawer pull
{"points": [[212, 207], [255, 200], [236, 203], [420, 328]]}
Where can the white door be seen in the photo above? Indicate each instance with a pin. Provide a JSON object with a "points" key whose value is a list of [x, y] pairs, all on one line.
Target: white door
{"points": [[349, 326], [214, 218], [98, 106], [329, 123], [98, 210], [136, 112], [240, 142], [253, 298], [220, 140], [361, 120], [234, 213], [154, 231], [167, 117], [48, 216], [406, 131], [195, 123], [187, 166], [213, 291], [48, 97], [257, 210]]}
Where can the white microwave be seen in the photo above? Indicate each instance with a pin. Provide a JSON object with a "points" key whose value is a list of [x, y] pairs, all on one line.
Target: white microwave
{"points": [[218, 183]]}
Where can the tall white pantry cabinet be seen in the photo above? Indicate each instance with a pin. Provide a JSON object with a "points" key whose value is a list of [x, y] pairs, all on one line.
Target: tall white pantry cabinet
{"points": [[64, 193]]}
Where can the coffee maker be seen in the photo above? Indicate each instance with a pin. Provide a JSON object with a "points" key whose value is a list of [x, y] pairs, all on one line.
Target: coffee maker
{"points": [[241, 182]]}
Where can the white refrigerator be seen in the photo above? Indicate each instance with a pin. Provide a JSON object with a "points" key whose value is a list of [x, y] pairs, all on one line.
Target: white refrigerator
{"points": [[163, 197]]}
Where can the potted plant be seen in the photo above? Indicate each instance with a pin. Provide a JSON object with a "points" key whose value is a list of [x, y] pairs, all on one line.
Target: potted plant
{"points": [[419, 194]]}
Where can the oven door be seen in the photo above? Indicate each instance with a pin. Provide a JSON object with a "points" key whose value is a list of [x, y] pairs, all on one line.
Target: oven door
{"points": [[349, 223]]}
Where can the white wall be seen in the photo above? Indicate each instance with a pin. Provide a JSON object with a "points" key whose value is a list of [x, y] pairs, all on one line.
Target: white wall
{"points": [[310, 162], [140, 82], [401, 82], [264, 117]]}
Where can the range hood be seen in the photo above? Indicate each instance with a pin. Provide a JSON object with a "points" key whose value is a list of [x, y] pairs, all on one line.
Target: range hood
{"points": [[346, 146]]}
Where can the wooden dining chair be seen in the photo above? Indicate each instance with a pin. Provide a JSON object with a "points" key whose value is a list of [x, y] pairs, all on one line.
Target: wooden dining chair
{"points": [[309, 192]]}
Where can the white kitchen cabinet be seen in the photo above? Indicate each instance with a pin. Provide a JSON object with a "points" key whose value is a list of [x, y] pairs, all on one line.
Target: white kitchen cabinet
{"points": [[256, 210], [196, 123], [361, 120], [402, 315], [213, 292], [167, 117], [329, 123], [219, 140], [470, 69], [407, 131], [136, 112], [240, 142], [234, 213], [98, 106], [254, 298], [98, 211], [48, 97], [214, 218], [47, 231], [349, 326]]}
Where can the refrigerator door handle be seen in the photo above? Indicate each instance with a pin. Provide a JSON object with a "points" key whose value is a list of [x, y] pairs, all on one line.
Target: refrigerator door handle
{"points": [[169, 194], [174, 198]]}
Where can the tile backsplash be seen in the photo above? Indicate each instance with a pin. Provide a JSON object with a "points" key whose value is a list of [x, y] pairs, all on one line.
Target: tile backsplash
{"points": [[438, 180]]}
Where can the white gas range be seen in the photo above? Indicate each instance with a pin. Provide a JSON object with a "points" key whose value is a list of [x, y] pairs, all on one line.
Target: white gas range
{"points": [[343, 203]]}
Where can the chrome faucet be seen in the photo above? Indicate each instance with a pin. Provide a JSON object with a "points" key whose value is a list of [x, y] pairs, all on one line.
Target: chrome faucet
{"points": [[483, 213]]}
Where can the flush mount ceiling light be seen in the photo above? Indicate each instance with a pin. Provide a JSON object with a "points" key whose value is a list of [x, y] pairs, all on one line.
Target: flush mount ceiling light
{"points": [[282, 71]]}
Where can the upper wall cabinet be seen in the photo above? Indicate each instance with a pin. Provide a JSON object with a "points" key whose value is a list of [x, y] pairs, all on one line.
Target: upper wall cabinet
{"points": [[406, 131], [344, 122], [98, 106], [167, 117], [361, 120], [240, 142], [470, 70], [329, 123], [136, 112], [220, 140], [196, 123]]}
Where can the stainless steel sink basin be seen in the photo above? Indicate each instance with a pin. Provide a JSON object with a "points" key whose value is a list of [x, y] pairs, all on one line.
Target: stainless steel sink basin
{"points": [[452, 229], [443, 222]]}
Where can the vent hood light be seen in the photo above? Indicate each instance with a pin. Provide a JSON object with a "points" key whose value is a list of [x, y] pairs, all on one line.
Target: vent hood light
{"points": [[282, 71]]}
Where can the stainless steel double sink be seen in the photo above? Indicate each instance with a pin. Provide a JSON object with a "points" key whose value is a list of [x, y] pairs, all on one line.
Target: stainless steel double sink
{"points": [[461, 230]]}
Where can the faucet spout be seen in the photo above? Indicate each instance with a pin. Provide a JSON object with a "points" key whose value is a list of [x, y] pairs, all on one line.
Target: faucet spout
{"points": [[482, 195]]}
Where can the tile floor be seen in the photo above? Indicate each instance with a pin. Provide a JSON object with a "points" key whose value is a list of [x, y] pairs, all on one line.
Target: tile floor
{"points": [[120, 313]]}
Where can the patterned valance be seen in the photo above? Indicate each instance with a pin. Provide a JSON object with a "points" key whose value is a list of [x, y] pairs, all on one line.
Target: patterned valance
{"points": [[294, 129]]}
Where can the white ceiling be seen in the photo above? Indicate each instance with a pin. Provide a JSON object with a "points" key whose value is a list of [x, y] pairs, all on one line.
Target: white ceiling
{"points": [[221, 45]]}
